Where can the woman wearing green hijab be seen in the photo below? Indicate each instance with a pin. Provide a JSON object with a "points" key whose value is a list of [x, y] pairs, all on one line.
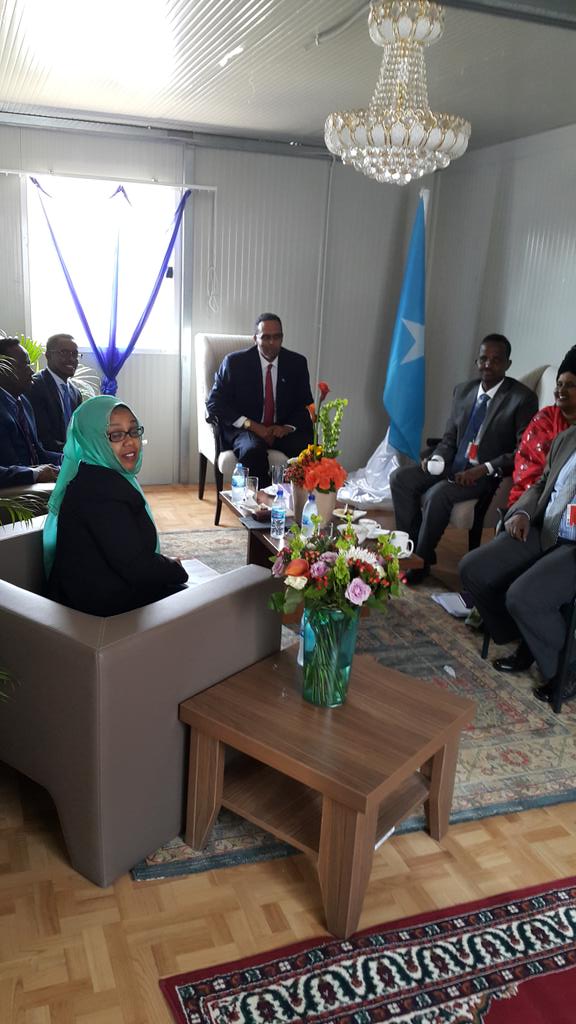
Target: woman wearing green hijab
{"points": [[100, 542]]}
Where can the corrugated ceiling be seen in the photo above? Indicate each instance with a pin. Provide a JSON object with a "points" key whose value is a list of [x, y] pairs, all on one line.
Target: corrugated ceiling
{"points": [[158, 62]]}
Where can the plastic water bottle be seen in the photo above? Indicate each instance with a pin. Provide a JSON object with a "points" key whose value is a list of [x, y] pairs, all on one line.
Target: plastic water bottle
{"points": [[238, 483], [278, 516], [310, 509]]}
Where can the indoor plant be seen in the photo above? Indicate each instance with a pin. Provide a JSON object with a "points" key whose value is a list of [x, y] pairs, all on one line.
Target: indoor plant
{"points": [[317, 468], [333, 579]]}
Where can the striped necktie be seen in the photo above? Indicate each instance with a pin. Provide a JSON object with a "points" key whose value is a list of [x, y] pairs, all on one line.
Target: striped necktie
{"points": [[67, 403], [474, 423]]}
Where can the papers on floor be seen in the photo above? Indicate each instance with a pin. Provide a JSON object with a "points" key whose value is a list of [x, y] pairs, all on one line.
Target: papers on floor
{"points": [[454, 604], [197, 571]]}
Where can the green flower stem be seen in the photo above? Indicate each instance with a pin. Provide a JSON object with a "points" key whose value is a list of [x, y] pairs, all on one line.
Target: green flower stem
{"points": [[329, 640]]}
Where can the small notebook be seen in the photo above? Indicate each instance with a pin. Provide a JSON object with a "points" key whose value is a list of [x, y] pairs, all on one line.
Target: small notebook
{"points": [[457, 605]]}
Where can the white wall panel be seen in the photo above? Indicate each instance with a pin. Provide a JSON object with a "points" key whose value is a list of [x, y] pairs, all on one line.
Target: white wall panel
{"points": [[504, 259], [366, 246], [12, 292]]}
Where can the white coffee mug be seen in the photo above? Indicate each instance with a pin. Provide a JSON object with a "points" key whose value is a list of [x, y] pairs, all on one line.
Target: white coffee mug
{"points": [[435, 465], [401, 540]]}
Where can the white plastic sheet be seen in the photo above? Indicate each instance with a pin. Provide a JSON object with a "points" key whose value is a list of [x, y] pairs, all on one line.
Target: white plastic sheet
{"points": [[369, 487]]}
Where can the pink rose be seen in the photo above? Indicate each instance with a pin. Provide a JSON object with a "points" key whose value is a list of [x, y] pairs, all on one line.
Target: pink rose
{"points": [[278, 567], [357, 592], [318, 569]]}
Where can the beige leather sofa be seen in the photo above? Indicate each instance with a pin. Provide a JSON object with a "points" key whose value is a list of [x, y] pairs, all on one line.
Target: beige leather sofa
{"points": [[94, 717]]}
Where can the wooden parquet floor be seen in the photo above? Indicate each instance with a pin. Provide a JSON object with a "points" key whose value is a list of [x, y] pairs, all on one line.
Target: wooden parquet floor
{"points": [[71, 953]]}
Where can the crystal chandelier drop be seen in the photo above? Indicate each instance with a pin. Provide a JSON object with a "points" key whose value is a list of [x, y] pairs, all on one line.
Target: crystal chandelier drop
{"points": [[398, 138]]}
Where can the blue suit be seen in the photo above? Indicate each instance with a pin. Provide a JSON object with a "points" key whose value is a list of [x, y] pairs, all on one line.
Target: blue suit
{"points": [[238, 391], [15, 468]]}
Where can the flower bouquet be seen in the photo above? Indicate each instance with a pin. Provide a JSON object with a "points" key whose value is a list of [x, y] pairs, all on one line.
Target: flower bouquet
{"points": [[333, 579], [317, 468]]}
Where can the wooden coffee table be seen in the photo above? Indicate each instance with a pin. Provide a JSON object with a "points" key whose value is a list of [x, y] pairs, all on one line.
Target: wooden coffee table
{"points": [[261, 545], [331, 782]]}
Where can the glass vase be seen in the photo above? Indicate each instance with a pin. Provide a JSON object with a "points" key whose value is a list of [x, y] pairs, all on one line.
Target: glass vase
{"points": [[329, 639]]}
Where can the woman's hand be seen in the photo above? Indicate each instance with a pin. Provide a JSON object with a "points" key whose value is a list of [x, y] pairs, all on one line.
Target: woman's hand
{"points": [[518, 526]]}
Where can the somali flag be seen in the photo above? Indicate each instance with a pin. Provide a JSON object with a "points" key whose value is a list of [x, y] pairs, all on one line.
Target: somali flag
{"points": [[404, 388]]}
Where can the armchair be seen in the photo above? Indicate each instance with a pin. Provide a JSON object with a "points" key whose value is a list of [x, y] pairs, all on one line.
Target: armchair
{"points": [[210, 350], [94, 715]]}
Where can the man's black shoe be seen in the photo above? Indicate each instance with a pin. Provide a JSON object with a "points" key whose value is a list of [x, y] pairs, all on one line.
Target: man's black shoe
{"points": [[546, 693], [415, 576], [517, 662]]}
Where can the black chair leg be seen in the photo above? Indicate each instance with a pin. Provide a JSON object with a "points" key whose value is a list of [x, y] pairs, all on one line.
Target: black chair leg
{"points": [[202, 475], [219, 487], [485, 645]]}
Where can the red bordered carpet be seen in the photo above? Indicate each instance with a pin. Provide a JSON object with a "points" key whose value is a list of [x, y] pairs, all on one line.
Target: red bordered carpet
{"points": [[507, 960]]}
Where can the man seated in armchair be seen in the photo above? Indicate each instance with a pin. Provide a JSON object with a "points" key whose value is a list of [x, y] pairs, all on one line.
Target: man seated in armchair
{"points": [[260, 398]]}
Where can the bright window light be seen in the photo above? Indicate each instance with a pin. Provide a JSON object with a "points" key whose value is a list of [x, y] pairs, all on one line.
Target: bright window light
{"points": [[86, 221]]}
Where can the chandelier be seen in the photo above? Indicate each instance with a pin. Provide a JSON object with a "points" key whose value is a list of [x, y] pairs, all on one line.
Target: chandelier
{"points": [[398, 138]]}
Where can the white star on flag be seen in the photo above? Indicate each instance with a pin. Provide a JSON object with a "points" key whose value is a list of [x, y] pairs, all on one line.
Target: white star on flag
{"points": [[416, 351]]}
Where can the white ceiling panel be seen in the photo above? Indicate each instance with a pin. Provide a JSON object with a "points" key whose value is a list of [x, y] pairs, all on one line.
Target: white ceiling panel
{"points": [[268, 68]]}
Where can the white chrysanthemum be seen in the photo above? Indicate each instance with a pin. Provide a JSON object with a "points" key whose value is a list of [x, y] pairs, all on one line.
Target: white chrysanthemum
{"points": [[296, 582], [363, 555]]}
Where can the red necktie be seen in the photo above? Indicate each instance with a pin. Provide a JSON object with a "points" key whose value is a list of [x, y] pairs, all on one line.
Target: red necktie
{"points": [[268, 399]]}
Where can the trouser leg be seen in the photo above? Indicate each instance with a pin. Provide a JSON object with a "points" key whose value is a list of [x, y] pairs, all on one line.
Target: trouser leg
{"points": [[407, 485], [535, 603], [252, 452], [293, 443], [490, 570], [437, 505]]}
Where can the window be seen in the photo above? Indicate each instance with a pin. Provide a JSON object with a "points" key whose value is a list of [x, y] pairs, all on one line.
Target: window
{"points": [[87, 218]]}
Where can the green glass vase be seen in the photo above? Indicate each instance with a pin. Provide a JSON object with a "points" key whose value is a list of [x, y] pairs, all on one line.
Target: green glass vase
{"points": [[329, 639]]}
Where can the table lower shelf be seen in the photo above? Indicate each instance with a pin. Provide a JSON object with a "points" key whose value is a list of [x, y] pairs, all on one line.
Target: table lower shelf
{"points": [[293, 812]]}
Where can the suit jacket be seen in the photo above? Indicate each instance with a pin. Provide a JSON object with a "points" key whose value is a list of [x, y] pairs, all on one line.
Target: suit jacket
{"points": [[14, 454], [47, 406], [536, 498], [509, 413], [238, 391], [106, 560]]}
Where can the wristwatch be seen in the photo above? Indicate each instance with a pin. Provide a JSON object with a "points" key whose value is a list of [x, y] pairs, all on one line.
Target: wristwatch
{"points": [[247, 424]]}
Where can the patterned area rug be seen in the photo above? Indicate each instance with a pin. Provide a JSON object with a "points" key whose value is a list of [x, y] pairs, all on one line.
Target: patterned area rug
{"points": [[507, 960], [517, 754]]}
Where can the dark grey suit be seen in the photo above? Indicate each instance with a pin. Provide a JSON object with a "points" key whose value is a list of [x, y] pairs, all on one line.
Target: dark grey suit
{"points": [[47, 406], [520, 589], [423, 503]]}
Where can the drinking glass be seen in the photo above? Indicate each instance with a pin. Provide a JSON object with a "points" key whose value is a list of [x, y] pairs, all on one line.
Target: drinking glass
{"points": [[251, 487], [277, 474]]}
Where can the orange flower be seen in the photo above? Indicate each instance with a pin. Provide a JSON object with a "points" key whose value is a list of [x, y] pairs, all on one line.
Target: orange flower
{"points": [[312, 410], [323, 389], [297, 567], [327, 474]]}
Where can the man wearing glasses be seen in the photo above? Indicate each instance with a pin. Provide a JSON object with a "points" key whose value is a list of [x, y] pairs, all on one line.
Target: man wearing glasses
{"points": [[53, 396], [260, 398]]}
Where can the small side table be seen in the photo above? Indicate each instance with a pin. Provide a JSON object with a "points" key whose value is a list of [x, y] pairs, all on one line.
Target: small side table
{"points": [[331, 782]]}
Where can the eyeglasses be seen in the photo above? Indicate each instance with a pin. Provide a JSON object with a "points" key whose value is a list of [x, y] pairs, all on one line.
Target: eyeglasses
{"points": [[66, 352], [269, 337], [115, 436]]}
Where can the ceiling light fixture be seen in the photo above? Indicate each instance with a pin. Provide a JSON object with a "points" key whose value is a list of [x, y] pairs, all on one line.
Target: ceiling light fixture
{"points": [[398, 138]]}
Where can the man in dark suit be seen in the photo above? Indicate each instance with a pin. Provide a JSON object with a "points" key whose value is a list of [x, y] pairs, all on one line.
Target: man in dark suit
{"points": [[486, 422], [522, 578], [23, 460], [260, 398], [53, 395]]}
